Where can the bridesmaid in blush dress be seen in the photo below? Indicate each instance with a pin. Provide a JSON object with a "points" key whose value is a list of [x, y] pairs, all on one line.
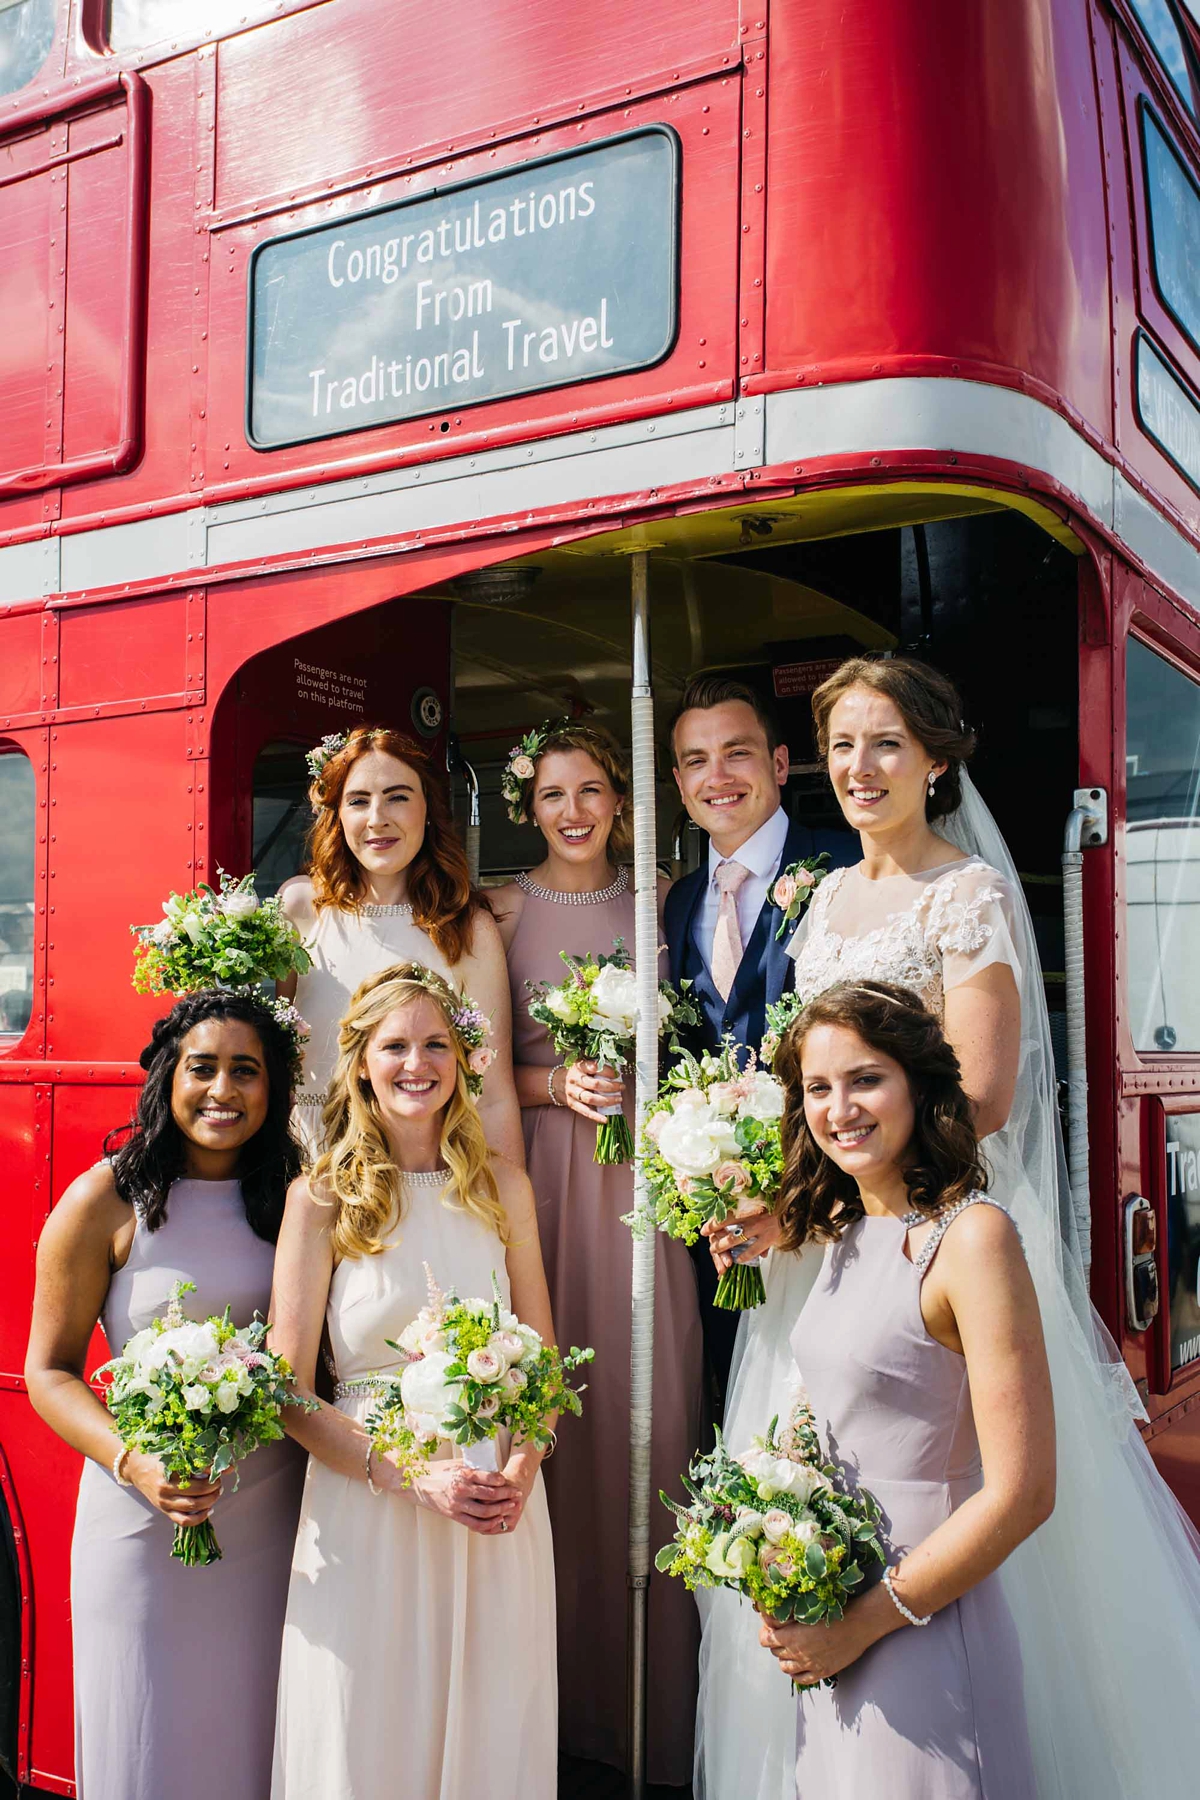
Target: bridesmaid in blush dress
{"points": [[175, 1668], [922, 1353], [578, 900]]}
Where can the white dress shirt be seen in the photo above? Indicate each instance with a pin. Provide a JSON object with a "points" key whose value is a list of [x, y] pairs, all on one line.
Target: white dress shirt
{"points": [[760, 854]]}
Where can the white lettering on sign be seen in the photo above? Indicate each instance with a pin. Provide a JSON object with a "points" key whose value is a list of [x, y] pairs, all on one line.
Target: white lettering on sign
{"points": [[556, 272], [330, 687]]}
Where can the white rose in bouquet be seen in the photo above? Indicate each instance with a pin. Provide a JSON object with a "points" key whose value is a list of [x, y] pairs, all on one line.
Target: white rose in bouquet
{"points": [[238, 906], [227, 1396], [725, 1097], [425, 1390], [508, 1345], [762, 1097], [190, 1346], [689, 1100], [485, 1365], [614, 999], [694, 1142], [799, 1480], [197, 1398], [562, 1005], [776, 1525], [665, 1009]]}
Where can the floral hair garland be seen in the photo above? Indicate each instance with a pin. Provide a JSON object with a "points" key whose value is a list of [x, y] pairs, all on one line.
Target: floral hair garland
{"points": [[325, 751], [470, 1025], [521, 766]]}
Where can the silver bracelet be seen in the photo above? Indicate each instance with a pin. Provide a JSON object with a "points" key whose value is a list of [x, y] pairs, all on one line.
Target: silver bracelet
{"points": [[554, 1099], [370, 1483], [898, 1603], [118, 1464]]}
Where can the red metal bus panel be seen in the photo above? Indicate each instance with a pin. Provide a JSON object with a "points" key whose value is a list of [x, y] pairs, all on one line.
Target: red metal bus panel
{"points": [[931, 206], [133, 655]]}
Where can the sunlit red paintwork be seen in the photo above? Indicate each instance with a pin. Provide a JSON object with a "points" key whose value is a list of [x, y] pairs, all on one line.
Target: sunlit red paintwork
{"points": [[902, 188]]}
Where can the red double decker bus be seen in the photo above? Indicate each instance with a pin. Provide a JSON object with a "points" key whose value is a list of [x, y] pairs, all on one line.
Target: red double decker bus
{"points": [[350, 350]]}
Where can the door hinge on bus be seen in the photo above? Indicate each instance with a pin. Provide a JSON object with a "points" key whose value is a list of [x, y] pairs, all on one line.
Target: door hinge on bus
{"points": [[749, 431], [1092, 806]]}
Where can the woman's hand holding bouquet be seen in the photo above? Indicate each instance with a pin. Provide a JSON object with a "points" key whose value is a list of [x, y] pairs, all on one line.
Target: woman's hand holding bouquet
{"points": [[592, 1019], [191, 1401], [471, 1370], [775, 1525], [711, 1143]]}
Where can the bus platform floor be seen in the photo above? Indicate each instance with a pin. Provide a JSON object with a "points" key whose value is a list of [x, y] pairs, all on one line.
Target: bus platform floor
{"points": [[596, 1781]]}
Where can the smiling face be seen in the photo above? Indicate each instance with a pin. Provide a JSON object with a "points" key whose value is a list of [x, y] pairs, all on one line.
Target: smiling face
{"points": [[727, 775], [219, 1092], [574, 805], [858, 1105], [879, 769], [411, 1063], [382, 813]]}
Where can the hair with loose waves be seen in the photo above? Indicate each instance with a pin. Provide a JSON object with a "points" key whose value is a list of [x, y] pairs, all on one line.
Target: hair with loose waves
{"points": [[817, 1200], [439, 887], [926, 700], [607, 755], [149, 1154], [357, 1167]]}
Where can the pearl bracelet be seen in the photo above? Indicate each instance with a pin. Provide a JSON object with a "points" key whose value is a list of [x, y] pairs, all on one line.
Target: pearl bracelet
{"points": [[554, 1099], [118, 1464], [898, 1603], [370, 1453]]}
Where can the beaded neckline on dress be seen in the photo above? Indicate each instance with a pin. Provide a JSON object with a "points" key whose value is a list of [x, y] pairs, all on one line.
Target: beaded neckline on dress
{"points": [[401, 910], [424, 1177], [597, 897]]}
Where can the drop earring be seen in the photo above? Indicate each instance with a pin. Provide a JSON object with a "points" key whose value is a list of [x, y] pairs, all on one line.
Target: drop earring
{"points": [[932, 781]]}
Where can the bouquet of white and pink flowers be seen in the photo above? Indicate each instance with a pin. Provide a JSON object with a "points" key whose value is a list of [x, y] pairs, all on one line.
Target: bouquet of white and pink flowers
{"points": [[711, 1140], [471, 1370], [223, 937], [775, 1525], [200, 1397], [593, 1017]]}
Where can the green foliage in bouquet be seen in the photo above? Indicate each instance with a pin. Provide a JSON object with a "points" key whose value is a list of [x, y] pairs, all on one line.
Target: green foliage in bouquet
{"points": [[217, 937]]}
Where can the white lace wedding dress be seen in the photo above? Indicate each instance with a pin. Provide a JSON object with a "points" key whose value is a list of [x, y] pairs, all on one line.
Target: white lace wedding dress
{"points": [[1109, 1662]]}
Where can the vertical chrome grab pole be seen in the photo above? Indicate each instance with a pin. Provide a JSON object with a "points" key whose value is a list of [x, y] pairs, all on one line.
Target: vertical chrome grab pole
{"points": [[645, 889]]}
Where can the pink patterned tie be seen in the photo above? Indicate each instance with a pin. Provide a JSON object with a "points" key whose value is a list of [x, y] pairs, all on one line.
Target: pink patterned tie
{"points": [[727, 938]]}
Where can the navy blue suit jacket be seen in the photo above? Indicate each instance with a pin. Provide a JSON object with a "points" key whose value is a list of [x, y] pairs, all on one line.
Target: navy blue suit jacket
{"points": [[765, 971]]}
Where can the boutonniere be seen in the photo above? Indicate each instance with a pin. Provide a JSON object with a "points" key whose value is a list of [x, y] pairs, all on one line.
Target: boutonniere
{"points": [[793, 890]]}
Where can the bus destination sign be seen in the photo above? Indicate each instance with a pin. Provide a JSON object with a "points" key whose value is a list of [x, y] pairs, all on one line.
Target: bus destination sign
{"points": [[549, 274]]}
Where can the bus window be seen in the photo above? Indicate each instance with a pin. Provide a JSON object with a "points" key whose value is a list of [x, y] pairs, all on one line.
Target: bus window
{"points": [[1162, 837], [133, 24], [17, 840], [281, 816], [1183, 1234], [1158, 22], [26, 34]]}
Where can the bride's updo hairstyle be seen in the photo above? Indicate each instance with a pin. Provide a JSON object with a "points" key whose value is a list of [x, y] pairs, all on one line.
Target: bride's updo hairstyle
{"points": [[929, 704], [356, 1167], [439, 887], [607, 754], [817, 1199]]}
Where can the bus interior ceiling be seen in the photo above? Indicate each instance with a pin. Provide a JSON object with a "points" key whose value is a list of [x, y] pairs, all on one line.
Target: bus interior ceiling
{"points": [[987, 595]]}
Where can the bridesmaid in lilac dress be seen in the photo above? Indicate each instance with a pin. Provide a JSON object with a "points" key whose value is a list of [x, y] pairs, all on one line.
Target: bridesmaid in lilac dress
{"points": [[175, 1668], [574, 789], [922, 1353]]}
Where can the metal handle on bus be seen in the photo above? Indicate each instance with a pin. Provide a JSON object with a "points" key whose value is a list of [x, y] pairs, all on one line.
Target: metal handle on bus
{"points": [[1087, 828], [1141, 1264]]}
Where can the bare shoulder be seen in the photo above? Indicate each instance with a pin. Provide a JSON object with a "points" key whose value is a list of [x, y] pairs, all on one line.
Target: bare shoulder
{"points": [[508, 903], [296, 896], [485, 942], [90, 1210], [311, 1207], [981, 1238]]}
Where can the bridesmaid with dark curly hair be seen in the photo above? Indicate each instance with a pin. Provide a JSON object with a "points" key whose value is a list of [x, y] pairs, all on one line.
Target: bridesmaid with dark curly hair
{"points": [[175, 1668]]}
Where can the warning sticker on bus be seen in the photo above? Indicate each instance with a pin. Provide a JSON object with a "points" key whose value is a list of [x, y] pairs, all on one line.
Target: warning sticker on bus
{"points": [[545, 275]]}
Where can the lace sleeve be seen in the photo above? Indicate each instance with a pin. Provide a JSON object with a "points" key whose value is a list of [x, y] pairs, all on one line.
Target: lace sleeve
{"points": [[970, 920]]}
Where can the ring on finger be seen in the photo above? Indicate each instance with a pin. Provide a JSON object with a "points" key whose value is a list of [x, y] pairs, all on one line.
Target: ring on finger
{"points": [[737, 1231]]}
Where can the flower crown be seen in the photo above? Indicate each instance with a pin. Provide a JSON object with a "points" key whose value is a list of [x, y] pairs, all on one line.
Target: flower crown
{"points": [[470, 1026], [325, 751], [521, 764]]}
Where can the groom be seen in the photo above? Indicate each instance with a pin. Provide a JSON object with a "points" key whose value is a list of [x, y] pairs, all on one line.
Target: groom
{"points": [[720, 926]]}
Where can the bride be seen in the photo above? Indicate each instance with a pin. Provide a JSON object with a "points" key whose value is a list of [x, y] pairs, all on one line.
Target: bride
{"points": [[935, 905]]}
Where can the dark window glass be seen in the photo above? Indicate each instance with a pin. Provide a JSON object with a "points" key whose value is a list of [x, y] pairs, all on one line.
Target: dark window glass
{"points": [[17, 840], [1162, 847], [26, 34], [1174, 204], [282, 816], [1159, 26], [1183, 1235]]}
